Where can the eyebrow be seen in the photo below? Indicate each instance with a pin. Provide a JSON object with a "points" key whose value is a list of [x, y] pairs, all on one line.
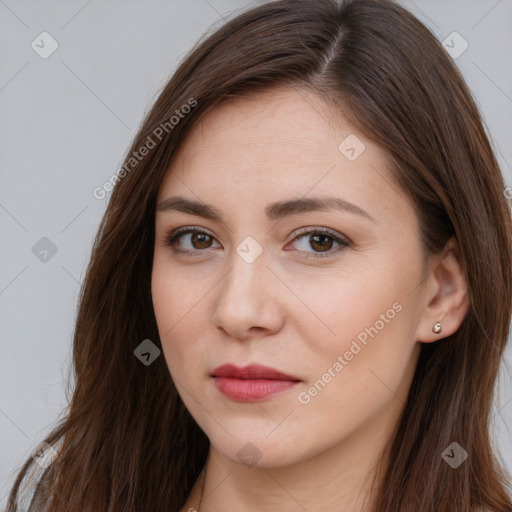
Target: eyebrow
{"points": [[273, 211]]}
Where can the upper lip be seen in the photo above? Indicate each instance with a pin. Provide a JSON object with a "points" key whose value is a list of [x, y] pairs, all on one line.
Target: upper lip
{"points": [[251, 371]]}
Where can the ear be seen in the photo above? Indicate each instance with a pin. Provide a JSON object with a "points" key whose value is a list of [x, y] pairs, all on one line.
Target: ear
{"points": [[446, 298]]}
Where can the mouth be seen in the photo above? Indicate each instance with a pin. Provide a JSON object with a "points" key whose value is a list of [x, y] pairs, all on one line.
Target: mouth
{"points": [[251, 383]]}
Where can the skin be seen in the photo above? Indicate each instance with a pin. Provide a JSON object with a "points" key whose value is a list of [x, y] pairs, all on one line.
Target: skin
{"points": [[291, 312]]}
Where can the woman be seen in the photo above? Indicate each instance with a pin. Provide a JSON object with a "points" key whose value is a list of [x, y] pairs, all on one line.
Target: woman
{"points": [[310, 228]]}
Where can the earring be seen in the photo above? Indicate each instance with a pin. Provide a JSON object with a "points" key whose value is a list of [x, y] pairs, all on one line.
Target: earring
{"points": [[437, 328]]}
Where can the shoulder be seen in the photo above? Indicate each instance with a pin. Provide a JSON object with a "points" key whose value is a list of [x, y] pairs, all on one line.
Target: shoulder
{"points": [[42, 457], [28, 487]]}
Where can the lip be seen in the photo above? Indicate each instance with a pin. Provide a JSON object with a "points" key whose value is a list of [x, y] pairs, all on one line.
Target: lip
{"points": [[251, 371], [251, 383]]}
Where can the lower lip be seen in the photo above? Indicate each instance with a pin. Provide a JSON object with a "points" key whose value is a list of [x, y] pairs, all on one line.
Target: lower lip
{"points": [[251, 390]]}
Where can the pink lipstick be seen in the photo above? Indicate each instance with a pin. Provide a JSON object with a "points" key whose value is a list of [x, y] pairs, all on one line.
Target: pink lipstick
{"points": [[251, 383]]}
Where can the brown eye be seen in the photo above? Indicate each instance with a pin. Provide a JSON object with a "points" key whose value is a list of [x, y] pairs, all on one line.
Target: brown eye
{"points": [[195, 240], [202, 239], [321, 240]]}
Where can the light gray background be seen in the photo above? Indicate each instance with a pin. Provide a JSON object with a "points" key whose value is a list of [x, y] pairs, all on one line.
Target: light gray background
{"points": [[66, 123]]}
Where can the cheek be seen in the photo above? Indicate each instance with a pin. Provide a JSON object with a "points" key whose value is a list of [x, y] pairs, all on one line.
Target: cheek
{"points": [[177, 305], [353, 383], [177, 293], [366, 338], [338, 308]]}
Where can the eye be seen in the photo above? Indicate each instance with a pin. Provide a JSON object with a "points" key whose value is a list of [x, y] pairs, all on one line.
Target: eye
{"points": [[199, 240], [321, 240]]}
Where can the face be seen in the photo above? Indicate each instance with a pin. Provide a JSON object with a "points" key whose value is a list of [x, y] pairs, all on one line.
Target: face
{"points": [[328, 296]]}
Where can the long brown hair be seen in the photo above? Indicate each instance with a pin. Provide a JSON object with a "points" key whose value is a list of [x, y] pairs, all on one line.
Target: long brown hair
{"points": [[128, 442]]}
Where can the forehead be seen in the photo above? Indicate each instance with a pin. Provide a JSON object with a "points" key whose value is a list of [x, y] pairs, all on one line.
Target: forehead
{"points": [[273, 145], [284, 133], [275, 121]]}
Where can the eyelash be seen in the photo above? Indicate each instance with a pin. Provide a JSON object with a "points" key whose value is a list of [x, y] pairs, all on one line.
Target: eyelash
{"points": [[173, 237]]}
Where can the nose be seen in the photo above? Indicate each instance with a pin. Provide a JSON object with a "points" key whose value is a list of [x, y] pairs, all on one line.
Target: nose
{"points": [[249, 303]]}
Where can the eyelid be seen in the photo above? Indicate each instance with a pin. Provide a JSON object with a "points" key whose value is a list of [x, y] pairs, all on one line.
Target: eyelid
{"points": [[343, 241], [327, 231], [173, 236]]}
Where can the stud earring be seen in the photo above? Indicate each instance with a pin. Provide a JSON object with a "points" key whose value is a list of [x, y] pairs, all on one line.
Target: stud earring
{"points": [[437, 328]]}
